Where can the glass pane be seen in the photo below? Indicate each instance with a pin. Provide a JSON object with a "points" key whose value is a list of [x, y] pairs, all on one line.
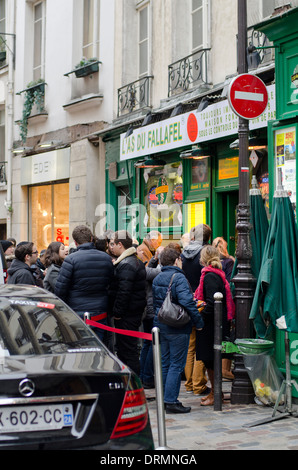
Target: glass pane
{"points": [[37, 43], [61, 213], [144, 24], [199, 173], [88, 28], [2, 144], [38, 12], [2, 12], [41, 217], [36, 327], [268, 7], [196, 4], [49, 214], [143, 57], [197, 29], [164, 196]]}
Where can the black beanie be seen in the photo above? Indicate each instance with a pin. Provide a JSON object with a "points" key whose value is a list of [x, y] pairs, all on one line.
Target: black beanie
{"points": [[5, 244]]}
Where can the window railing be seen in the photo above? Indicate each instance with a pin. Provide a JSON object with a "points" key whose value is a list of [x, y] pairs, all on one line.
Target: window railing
{"points": [[257, 57], [134, 96], [3, 179], [188, 72]]}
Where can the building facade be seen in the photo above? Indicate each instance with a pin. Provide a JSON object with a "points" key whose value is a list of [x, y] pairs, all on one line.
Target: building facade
{"points": [[76, 136], [62, 91]]}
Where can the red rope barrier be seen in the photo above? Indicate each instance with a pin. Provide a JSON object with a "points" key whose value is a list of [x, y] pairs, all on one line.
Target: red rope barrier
{"points": [[136, 334]]}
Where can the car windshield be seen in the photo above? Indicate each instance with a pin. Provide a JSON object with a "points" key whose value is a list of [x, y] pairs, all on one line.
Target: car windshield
{"points": [[35, 326]]}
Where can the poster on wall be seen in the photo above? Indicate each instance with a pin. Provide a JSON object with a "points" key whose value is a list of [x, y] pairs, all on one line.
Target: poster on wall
{"points": [[196, 214], [285, 159]]}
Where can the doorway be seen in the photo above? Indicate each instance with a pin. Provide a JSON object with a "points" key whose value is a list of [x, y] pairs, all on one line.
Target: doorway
{"points": [[225, 218]]}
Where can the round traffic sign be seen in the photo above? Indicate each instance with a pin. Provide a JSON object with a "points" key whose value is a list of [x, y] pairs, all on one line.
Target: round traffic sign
{"points": [[248, 96]]}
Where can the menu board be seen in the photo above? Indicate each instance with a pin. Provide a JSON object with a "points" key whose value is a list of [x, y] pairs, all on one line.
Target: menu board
{"points": [[285, 159]]}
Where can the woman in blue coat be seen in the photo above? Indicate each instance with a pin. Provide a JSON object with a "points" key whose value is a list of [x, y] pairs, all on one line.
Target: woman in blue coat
{"points": [[174, 341]]}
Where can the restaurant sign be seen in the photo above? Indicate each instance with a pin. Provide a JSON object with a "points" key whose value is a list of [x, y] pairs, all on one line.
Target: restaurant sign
{"points": [[216, 121]]}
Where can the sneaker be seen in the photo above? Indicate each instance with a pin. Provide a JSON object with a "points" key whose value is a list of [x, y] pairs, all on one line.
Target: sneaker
{"points": [[189, 391], [177, 408]]}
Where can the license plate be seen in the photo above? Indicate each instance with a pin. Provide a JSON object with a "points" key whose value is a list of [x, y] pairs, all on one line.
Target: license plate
{"points": [[35, 418]]}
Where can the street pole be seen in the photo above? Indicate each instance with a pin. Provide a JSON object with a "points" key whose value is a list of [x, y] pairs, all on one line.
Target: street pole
{"points": [[242, 391]]}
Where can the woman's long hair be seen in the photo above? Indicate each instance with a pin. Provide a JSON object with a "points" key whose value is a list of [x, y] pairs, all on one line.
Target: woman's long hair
{"points": [[52, 254], [210, 256]]}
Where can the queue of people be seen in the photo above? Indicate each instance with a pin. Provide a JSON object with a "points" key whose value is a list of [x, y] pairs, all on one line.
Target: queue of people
{"points": [[123, 284]]}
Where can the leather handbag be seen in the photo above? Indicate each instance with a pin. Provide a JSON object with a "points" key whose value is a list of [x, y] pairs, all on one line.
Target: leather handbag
{"points": [[172, 314]]}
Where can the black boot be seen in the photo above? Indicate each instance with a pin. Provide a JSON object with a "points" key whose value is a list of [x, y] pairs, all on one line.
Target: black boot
{"points": [[177, 408]]}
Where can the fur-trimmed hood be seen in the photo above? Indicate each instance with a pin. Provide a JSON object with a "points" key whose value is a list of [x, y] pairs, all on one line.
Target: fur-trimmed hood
{"points": [[129, 252]]}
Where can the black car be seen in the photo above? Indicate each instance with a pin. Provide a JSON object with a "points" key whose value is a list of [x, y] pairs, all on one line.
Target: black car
{"points": [[60, 387]]}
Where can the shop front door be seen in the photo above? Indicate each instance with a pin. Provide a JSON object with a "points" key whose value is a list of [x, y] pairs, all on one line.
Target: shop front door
{"points": [[226, 208]]}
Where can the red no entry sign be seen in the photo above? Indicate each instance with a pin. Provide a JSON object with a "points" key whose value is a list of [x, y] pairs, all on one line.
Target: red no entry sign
{"points": [[248, 96]]}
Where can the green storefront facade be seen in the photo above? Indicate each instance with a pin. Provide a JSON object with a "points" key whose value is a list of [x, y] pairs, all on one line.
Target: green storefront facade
{"points": [[196, 180], [282, 134]]}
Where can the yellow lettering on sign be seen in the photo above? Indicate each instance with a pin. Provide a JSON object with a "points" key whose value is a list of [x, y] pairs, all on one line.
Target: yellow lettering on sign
{"points": [[162, 189]]}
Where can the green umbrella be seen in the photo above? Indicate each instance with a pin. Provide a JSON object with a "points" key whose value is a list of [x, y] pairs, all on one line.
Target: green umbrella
{"points": [[260, 225], [258, 233], [276, 292]]}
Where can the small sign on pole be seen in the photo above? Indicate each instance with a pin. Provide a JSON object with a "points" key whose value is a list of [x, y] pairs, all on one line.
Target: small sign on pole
{"points": [[248, 96]]}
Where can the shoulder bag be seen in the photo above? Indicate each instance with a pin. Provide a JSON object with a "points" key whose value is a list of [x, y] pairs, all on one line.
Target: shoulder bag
{"points": [[172, 314]]}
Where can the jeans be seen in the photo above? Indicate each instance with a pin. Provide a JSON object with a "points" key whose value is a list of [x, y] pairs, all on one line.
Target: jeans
{"points": [[174, 349], [146, 357]]}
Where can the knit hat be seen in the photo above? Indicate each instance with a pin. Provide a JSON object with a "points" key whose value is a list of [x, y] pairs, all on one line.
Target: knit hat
{"points": [[5, 244]]}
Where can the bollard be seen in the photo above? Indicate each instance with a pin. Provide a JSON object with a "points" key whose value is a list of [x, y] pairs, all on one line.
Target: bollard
{"points": [[217, 351], [86, 316], [162, 442]]}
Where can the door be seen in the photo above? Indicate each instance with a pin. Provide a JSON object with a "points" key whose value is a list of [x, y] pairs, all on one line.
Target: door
{"points": [[226, 208]]}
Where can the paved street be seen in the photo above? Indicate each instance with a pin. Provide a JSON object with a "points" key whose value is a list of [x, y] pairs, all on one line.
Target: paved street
{"points": [[206, 429]]}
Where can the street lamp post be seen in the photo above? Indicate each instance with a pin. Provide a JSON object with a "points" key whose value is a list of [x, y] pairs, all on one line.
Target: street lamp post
{"points": [[242, 391]]}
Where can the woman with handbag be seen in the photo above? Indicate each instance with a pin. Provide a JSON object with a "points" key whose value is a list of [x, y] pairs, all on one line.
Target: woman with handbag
{"points": [[212, 280], [174, 339]]}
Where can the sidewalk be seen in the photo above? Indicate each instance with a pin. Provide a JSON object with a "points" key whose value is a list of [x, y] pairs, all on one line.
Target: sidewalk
{"points": [[206, 429]]}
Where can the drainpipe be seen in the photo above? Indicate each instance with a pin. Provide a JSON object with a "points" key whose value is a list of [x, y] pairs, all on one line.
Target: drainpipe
{"points": [[10, 112]]}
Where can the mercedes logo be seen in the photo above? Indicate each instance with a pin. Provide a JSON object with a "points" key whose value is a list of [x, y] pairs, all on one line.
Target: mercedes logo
{"points": [[26, 388]]}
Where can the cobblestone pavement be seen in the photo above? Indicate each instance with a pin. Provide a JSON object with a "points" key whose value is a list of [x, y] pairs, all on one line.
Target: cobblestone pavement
{"points": [[206, 429]]}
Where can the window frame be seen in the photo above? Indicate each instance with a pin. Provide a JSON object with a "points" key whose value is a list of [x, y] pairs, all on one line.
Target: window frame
{"points": [[41, 66], [143, 41], [95, 42]]}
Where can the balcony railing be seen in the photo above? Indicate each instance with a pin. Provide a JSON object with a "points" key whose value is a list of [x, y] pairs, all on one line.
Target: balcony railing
{"points": [[188, 72], [257, 57], [3, 179], [134, 96]]}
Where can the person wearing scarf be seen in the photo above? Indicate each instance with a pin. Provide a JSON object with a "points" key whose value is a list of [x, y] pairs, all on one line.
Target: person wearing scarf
{"points": [[212, 280]]}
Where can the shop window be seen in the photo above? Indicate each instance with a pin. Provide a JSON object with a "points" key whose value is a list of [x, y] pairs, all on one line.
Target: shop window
{"points": [[49, 214], [163, 197]]}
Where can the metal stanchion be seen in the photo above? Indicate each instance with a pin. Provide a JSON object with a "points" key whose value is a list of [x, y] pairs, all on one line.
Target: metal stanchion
{"points": [[86, 316], [217, 351], [162, 441]]}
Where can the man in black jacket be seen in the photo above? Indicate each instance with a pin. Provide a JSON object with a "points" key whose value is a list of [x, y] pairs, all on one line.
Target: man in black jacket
{"points": [[129, 295], [84, 278], [20, 271]]}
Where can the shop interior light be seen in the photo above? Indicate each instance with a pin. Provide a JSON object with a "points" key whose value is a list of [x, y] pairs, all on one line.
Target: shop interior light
{"points": [[196, 153], [150, 163]]}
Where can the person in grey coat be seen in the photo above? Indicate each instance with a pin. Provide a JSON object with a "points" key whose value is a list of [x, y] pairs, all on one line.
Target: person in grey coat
{"points": [[54, 258]]}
